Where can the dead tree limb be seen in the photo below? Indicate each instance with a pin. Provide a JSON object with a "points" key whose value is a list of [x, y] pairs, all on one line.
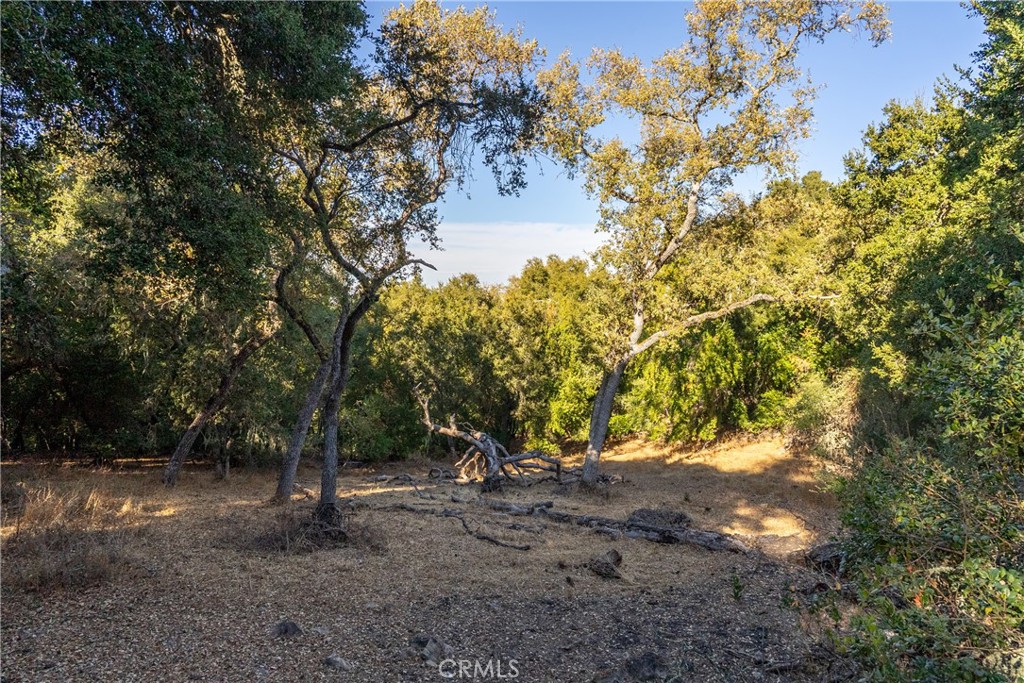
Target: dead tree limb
{"points": [[459, 515], [631, 528], [488, 459], [712, 540]]}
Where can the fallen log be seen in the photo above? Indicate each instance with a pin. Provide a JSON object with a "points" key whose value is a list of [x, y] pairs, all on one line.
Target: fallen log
{"points": [[632, 528], [490, 461]]}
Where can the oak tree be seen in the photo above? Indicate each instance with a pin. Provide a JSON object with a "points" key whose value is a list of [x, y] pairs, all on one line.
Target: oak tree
{"points": [[732, 97], [442, 85]]}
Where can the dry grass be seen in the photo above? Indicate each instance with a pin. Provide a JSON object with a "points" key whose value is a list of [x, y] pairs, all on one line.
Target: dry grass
{"points": [[69, 539], [211, 580]]}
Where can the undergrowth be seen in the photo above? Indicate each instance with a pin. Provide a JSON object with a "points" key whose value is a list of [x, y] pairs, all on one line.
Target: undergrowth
{"points": [[64, 540]]}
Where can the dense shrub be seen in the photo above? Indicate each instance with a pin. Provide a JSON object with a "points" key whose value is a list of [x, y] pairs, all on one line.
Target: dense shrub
{"points": [[734, 376], [938, 518]]}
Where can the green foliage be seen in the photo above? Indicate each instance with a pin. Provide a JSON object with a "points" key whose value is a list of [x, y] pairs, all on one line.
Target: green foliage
{"points": [[938, 519], [737, 586], [178, 99], [522, 362], [443, 339], [737, 375], [932, 321], [550, 317], [140, 208]]}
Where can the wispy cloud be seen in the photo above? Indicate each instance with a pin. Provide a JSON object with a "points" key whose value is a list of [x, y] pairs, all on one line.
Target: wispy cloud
{"points": [[495, 251]]}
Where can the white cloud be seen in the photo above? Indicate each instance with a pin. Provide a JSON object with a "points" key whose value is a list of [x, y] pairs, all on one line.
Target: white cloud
{"points": [[495, 251]]}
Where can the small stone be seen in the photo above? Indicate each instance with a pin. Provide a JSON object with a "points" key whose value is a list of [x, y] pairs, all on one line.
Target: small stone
{"points": [[650, 666], [287, 629], [829, 557], [437, 651], [606, 564], [339, 663], [431, 649]]}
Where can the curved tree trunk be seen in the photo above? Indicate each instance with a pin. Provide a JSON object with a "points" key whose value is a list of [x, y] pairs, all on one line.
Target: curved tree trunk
{"points": [[605, 399], [290, 463], [340, 359], [213, 404], [599, 419]]}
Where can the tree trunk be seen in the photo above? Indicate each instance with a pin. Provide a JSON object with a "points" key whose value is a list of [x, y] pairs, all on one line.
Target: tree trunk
{"points": [[290, 462], [600, 418], [339, 358], [605, 398], [213, 404], [327, 510]]}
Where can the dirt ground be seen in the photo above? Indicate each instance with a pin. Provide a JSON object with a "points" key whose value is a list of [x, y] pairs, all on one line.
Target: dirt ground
{"points": [[206, 588]]}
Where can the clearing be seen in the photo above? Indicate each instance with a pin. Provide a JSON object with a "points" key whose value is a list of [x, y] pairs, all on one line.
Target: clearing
{"points": [[205, 586]]}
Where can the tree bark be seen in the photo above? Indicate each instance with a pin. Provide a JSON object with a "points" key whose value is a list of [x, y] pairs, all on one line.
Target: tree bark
{"points": [[327, 510], [213, 404], [341, 348], [599, 419], [290, 463]]}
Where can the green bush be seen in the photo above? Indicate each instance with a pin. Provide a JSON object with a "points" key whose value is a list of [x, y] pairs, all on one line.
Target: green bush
{"points": [[737, 375], [938, 519]]}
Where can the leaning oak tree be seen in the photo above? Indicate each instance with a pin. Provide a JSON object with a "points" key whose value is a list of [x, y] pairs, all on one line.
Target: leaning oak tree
{"points": [[442, 85], [731, 98]]}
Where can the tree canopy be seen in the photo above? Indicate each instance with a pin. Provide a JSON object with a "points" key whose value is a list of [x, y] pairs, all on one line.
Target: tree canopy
{"points": [[208, 226]]}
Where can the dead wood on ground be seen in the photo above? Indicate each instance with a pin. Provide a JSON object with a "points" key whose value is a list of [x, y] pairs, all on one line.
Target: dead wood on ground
{"points": [[633, 527], [488, 460]]}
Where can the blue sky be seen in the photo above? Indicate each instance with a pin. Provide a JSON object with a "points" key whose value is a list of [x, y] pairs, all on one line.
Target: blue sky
{"points": [[493, 236]]}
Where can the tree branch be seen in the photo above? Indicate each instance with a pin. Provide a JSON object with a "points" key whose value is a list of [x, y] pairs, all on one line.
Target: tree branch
{"points": [[673, 245], [695, 320], [281, 298], [349, 147]]}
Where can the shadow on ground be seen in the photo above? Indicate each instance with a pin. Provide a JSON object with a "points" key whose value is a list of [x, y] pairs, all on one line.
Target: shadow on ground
{"points": [[207, 604]]}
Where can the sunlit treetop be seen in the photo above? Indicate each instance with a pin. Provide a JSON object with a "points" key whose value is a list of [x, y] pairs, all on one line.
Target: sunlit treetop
{"points": [[729, 98]]}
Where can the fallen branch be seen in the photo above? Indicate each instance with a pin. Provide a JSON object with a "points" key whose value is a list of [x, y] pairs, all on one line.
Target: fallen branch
{"points": [[712, 540], [631, 528], [487, 459], [458, 514], [770, 666], [412, 482], [446, 512]]}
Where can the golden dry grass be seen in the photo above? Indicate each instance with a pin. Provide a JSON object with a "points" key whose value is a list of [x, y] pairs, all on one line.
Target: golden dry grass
{"points": [[64, 537], [206, 589]]}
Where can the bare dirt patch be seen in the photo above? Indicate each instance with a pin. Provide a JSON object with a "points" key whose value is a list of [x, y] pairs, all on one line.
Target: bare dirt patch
{"points": [[209, 592]]}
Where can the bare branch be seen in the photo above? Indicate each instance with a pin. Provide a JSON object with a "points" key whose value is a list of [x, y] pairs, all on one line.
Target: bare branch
{"points": [[349, 147], [695, 320], [673, 244], [282, 300]]}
